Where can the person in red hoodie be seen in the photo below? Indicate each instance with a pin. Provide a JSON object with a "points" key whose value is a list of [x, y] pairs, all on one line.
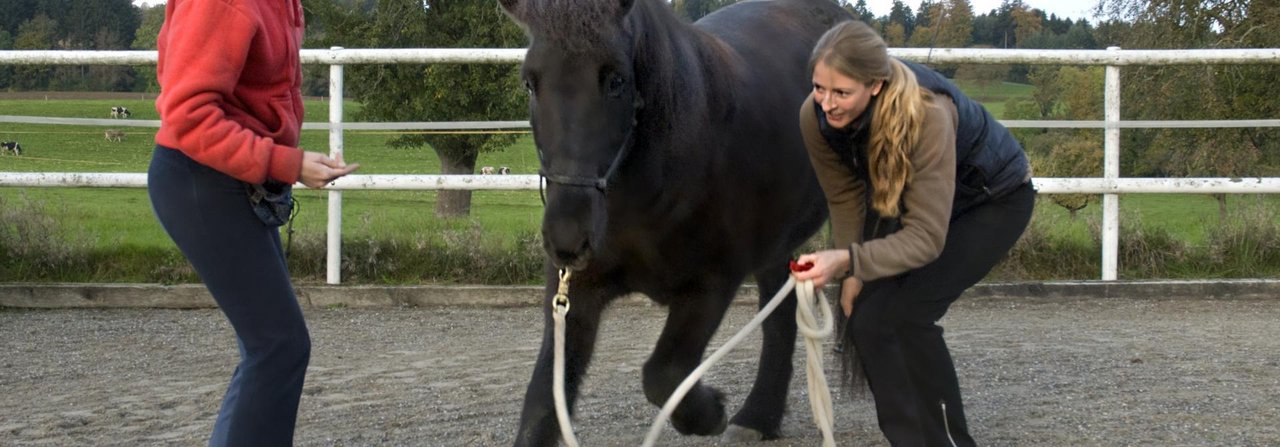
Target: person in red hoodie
{"points": [[226, 156]]}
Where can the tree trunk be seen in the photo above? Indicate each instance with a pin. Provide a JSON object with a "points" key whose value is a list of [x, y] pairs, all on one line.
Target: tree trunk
{"points": [[451, 204], [1222, 208]]}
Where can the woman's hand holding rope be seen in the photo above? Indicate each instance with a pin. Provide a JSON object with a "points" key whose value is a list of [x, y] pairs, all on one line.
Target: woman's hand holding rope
{"points": [[828, 265]]}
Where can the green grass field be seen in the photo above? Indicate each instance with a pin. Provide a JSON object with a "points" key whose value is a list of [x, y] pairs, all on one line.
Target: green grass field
{"points": [[994, 96], [121, 219]]}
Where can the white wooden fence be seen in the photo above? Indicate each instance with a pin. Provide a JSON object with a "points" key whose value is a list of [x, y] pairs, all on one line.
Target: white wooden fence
{"points": [[1110, 184]]}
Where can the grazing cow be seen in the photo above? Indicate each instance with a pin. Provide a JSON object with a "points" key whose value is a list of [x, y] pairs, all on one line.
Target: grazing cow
{"points": [[504, 170], [114, 135], [120, 112], [674, 168], [10, 147], [487, 170]]}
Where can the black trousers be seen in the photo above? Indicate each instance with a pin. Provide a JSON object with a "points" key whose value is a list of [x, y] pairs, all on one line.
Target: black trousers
{"points": [[898, 341], [207, 213]]}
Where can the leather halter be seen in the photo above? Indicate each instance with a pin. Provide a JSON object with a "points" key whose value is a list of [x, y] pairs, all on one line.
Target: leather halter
{"points": [[600, 183]]}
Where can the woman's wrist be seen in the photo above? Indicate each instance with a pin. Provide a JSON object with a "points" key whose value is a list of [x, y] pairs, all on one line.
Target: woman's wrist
{"points": [[852, 259]]}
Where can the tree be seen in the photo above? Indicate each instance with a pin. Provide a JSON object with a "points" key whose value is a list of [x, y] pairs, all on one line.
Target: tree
{"points": [[945, 24], [39, 33], [1071, 158], [81, 21], [925, 15], [895, 35], [1026, 22], [109, 77], [982, 75], [16, 12], [6, 71], [861, 12], [901, 14], [1067, 93], [70, 25], [986, 31], [145, 39], [996, 27], [1080, 36], [1199, 92], [444, 92]]}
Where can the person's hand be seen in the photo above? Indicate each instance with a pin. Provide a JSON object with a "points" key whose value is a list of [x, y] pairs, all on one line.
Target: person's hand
{"points": [[319, 170], [827, 265], [849, 291]]}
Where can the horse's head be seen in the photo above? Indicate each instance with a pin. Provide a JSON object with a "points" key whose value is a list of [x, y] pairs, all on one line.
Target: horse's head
{"points": [[583, 103]]}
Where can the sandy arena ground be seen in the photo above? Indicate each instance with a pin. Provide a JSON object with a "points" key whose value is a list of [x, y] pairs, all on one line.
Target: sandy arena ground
{"points": [[1035, 372]]}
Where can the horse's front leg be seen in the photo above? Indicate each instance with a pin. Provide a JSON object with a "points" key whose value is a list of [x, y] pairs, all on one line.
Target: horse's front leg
{"points": [[538, 423], [690, 325], [761, 414]]}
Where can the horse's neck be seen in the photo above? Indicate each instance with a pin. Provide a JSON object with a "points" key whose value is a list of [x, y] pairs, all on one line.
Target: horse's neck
{"points": [[681, 64]]}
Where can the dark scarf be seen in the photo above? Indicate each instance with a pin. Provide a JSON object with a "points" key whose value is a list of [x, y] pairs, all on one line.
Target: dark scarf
{"points": [[850, 142]]}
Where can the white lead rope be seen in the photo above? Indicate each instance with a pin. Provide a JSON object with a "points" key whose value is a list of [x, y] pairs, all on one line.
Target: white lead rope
{"points": [[560, 307], [807, 322], [819, 394]]}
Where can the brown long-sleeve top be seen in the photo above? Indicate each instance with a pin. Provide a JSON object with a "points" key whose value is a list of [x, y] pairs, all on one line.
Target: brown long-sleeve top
{"points": [[926, 199]]}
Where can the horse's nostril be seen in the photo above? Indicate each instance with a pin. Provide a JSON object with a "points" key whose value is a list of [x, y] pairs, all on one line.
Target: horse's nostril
{"points": [[566, 256], [573, 258]]}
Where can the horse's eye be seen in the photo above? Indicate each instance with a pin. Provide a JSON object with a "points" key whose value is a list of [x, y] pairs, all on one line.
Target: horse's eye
{"points": [[528, 86], [616, 82]]}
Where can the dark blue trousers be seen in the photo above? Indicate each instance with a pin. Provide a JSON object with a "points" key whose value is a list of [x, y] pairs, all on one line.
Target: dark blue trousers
{"points": [[208, 215], [898, 341]]}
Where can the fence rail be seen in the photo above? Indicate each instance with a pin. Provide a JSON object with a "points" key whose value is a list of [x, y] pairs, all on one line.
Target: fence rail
{"points": [[1109, 185], [393, 182]]}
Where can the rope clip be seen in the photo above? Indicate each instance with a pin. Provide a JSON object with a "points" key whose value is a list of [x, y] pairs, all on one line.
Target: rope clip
{"points": [[561, 301]]}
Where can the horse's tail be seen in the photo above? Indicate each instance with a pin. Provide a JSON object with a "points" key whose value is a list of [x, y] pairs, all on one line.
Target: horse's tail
{"points": [[853, 377]]}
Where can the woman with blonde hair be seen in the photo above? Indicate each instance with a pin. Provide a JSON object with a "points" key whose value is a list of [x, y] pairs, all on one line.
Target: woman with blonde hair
{"points": [[927, 192]]}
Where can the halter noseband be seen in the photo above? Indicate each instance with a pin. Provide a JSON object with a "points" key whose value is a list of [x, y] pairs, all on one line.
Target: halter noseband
{"points": [[601, 183]]}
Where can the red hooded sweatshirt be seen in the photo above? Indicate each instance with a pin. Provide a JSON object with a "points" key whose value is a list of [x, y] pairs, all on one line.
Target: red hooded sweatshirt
{"points": [[230, 85]]}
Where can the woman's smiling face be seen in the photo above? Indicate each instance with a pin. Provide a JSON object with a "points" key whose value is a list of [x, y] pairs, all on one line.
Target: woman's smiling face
{"points": [[842, 98]]}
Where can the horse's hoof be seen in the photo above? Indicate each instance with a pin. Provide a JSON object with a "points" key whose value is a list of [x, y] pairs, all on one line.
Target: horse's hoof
{"points": [[737, 434], [702, 426], [701, 429]]}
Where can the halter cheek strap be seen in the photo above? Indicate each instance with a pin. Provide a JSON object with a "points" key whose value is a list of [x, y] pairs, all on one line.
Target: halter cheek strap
{"points": [[600, 183]]}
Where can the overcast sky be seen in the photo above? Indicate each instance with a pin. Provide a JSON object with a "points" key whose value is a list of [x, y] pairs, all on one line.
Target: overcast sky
{"points": [[1075, 9]]}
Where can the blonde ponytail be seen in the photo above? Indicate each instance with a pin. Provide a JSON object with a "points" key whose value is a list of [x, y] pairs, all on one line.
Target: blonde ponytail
{"points": [[895, 129]]}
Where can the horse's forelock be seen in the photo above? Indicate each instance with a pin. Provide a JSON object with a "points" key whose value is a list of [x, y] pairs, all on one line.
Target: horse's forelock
{"points": [[570, 24]]}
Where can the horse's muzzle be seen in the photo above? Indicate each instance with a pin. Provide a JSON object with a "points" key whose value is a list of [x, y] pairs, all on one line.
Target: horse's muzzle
{"points": [[572, 226], [576, 258]]}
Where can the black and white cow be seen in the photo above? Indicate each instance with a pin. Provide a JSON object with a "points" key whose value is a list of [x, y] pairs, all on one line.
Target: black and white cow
{"points": [[120, 112], [10, 147]]}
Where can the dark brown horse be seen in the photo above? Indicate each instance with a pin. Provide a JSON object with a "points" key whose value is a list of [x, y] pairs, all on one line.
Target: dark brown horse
{"points": [[675, 168]]}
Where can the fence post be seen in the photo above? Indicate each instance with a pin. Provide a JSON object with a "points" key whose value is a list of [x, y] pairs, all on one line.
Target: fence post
{"points": [[1111, 172], [333, 258]]}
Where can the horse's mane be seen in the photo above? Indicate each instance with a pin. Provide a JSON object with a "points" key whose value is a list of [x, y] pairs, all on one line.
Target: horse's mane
{"points": [[679, 66]]}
